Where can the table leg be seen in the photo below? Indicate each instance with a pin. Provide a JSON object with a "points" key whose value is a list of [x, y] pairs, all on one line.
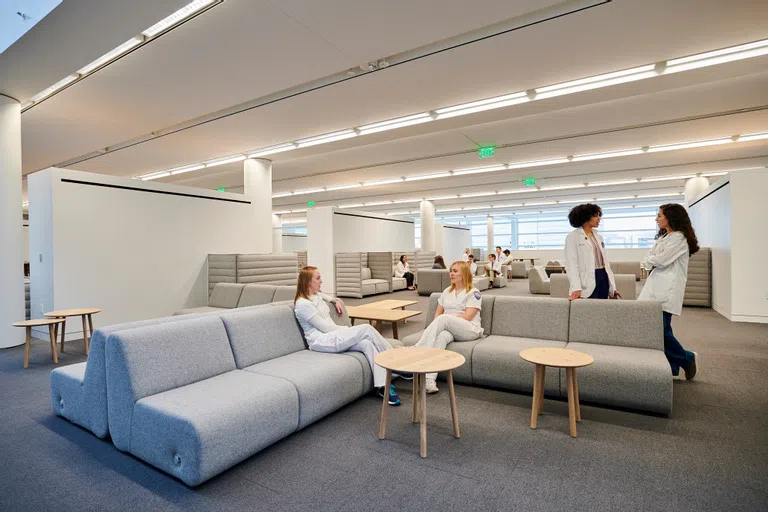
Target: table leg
{"points": [[63, 333], [26, 347], [405, 320], [454, 409], [571, 402], [90, 324], [52, 333], [394, 331], [543, 372], [85, 334], [415, 414], [423, 391], [385, 405], [536, 395], [352, 321], [576, 395]]}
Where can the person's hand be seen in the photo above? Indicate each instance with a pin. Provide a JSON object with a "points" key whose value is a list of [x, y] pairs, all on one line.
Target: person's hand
{"points": [[616, 295], [338, 307], [575, 295]]}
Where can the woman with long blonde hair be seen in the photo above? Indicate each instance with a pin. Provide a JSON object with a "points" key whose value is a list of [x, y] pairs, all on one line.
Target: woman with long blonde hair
{"points": [[323, 335], [457, 317]]}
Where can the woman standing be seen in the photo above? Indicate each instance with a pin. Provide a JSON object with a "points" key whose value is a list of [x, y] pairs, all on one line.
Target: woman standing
{"points": [[667, 263], [457, 317], [403, 270], [323, 335], [588, 270]]}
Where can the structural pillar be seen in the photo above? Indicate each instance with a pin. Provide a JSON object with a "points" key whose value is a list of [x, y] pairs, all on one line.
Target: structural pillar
{"points": [[11, 230], [491, 245], [427, 210], [277, 233], [257, 183], [694, 187]]}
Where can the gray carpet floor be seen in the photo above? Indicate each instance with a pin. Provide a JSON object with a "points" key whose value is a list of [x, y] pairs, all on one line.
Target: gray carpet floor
{"points": [[711, 453]]}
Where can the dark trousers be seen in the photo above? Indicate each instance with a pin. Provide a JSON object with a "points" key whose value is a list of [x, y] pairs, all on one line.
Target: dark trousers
{"points": [[408, 278], [602, 285], [677, 356]]}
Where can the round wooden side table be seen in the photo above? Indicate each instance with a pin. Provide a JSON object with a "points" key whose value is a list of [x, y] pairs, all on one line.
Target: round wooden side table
{"points": [[52, 324], [81, 312]]}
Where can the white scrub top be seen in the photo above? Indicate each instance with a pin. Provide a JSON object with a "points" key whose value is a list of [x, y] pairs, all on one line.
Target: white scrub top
{"points": [[666, 283], [306, 310], [454, 304], [401, 269]]}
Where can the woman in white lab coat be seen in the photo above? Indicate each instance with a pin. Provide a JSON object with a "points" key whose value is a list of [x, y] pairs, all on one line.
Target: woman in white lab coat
{"points": [[586, 264], [323, 335], [667, 263], [402, 269], [457, 317]]}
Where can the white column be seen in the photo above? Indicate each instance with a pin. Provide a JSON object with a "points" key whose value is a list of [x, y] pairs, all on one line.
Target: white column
{"points": [[320, 245], [11, 230], [277, 233], [257, 182], [694, 187], [427, 210], [491, 245]]}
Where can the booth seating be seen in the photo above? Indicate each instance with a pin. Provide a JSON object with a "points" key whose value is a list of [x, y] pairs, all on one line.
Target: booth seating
{"points": [[237, 295], [627, 267], [626, 338], [278, 269], [698, 288], [538, 280], [516, 269], [301, 256], [625, 284], [222, 268], [359, 274]]}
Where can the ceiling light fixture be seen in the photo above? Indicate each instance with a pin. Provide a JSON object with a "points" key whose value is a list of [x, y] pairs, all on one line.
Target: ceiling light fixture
{"points": [[182, 170], [342, 187], [326, 137], [537, 163], [399, 122], [382, 182], [227, 160], [609, 154], [308, 191], [281, 194], [177, 17], [55, 87], [359, 205], [562, 187], [155, 176], [666, 178], [477, 170], [403, 201], [477, 194], [442, 198], [482, 105], [428, 176], [753, 136], [742, 51], [271, 150], [612, 183], [692, 144], [597, 82], [112, 55]]}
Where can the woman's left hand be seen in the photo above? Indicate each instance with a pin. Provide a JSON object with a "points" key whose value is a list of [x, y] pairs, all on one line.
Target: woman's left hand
{"points": [[338, 307], [616, 295]]}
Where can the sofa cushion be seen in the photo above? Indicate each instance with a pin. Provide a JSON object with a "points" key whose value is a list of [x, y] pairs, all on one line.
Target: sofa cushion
{"points": [[197, 431], [203, 309], [481, 282], [264, 334], [255, 294], [637, 378], [225, 295], [399, 283], [283, 293], [325, 382], [496, 362], [531, 317], [365, 274], [617, 322], [464, 372], [382, 287]]}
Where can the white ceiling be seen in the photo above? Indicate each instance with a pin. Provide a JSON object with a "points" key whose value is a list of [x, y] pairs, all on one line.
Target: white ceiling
{"points": [[241, 51]]}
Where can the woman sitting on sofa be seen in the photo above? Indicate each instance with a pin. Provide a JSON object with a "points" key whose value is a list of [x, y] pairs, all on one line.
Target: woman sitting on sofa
{"points": [[403, 270], [323, 335], [457, 317], [439, 263]]}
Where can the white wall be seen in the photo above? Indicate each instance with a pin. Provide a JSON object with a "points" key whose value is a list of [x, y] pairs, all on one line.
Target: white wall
{"points": [[294, 243], [136, 252], [450, 242], [356, 231], [711, 219]]}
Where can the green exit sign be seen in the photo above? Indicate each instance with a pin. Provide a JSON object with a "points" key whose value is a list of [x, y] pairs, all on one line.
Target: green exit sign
{"points": [[529, 182], [222, 189], [311, 204], [486, 151]]}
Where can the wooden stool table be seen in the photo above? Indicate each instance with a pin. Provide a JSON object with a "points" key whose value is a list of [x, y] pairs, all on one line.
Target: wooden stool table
{"points": [[419, 361], [392, 304], [378, 316], [558, 358], [82, 312], [52, 324]]}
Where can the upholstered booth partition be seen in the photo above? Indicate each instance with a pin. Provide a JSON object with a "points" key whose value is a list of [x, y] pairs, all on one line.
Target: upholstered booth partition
{"points": [[380, 264], [222, 268], [698, 289], [349, 268], [302, 257], [278, 269]]}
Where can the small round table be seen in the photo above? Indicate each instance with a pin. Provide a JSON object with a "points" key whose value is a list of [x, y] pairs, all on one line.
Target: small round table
{"points": [[558, 358], [419, 361], [82, 312], [52, 323]]}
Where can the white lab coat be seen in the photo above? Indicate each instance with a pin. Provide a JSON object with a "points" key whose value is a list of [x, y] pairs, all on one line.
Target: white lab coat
{"points": [[666, 283], [495, 266], [473, 268], [580, 263], [401, 269]]}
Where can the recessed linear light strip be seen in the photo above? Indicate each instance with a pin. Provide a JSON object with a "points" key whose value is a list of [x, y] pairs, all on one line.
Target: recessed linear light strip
{"points": [[739, 52], [149, 34]]}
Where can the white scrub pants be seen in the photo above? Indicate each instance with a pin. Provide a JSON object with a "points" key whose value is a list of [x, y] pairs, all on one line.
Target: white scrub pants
{"points": [[445, 329], [360, 338]]}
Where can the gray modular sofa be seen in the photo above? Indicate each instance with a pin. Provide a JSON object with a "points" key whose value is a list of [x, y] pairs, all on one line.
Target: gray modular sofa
{"points": [[432, 280], [538, 280], [237, 295], [501, 279], [222, 268], [277, 269], [627, 267], [359, 274], [698, 288], [516, 269], [625, 284], [626, 339]]}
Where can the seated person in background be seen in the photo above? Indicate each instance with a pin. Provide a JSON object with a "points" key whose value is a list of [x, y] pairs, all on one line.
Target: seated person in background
{"points": [[507, 259], [323, 335], [472, 264], [492, 268], [439, 263], [466, 254], [403, 270], [499, 255], [457, 317]]}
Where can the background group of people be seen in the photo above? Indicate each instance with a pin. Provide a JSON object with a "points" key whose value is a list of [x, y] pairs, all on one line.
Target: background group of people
{"points": [[457, 317]]}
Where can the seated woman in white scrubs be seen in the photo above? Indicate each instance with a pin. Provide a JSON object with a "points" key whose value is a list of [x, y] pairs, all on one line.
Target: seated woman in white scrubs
{"points": [[323, 335], [404, 270], [667, 263], [457, 317]]}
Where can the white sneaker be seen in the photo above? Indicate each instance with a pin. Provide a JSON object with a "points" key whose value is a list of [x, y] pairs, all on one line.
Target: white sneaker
{"points": [[431, 386]]}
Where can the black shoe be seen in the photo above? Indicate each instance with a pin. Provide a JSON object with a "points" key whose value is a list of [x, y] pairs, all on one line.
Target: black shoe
{"points": [[690, 370]]}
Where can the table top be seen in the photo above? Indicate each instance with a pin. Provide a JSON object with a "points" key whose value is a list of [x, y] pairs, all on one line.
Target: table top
{"points": [[379, 314], [73, 312], [419, 359], [557, 357], [390, 304], [38, 321]]}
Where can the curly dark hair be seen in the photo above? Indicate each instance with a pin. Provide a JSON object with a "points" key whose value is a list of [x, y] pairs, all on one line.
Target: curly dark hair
{"points": [[679, 221], [580, 215]]}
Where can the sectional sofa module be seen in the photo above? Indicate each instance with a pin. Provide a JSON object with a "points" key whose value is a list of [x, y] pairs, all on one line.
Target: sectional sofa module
{"points": [[625, 338], [237, 295]]}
